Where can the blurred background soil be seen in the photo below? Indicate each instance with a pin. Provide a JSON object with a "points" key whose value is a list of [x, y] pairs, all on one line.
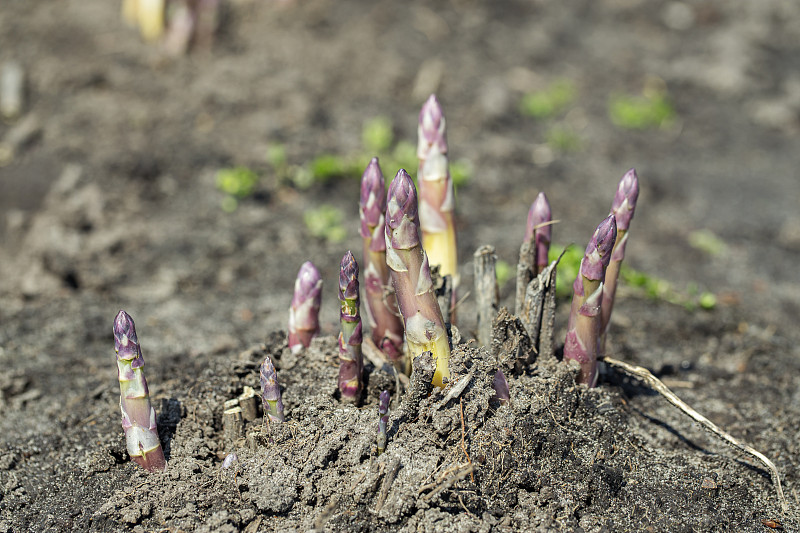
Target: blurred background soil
{"points": [[112, 196]]}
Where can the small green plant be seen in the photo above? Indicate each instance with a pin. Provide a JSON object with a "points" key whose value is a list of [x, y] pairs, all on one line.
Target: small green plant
{"points": [[650, 110], [560, 137], [504, 272], [661, 289], [549, 102], [567, 268], [377, 135], [236, 183], [325, 222], [705, 241]]}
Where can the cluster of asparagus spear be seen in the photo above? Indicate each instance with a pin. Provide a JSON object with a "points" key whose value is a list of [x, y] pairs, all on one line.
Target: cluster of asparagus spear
{"points": [[404, 234]]}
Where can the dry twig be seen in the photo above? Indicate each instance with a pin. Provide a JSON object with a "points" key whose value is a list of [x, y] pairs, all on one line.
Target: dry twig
{"points": [[643, 374]]}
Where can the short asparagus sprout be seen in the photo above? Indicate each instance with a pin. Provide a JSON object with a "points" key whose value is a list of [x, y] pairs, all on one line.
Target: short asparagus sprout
{"points": [[380, 305], [411, 278], [351, 361], [383, 421], [583, 327], [538, 231], [271, 392], [138, 416], [622, 208], [500, 386], [304, 311], [436, 194]]}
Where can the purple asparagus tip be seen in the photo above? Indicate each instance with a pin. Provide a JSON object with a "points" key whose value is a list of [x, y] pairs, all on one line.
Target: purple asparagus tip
{"points": [[500, 385], [348, 278], [402, 212], [304, 310], [598, 252], [271, 392], [538, 214], [432, 127], [373, 197], [125, 341], [383, 402], [383, 420], [625, 200]]}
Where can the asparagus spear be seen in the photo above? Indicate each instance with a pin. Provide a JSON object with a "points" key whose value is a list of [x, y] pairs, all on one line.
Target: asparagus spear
{"points": [[381, 308], [436, 195], [622, 208], [411, 277], [138, 416], [271, 392], [351, 361], [538, 231], [583, 327], [304, 311], [383, 412]]}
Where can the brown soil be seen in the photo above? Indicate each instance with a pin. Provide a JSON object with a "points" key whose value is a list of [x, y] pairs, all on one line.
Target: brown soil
{"points": [[109, 201]]}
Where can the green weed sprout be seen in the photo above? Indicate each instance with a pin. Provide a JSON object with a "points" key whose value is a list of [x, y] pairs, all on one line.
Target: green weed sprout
{"points": [[549, 102], [325, 222], [236, 183]]}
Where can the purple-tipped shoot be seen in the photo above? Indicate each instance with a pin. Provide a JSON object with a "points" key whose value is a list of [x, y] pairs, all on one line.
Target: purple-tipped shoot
{"points": [[138, 416], [411, 277], [622, 208], [351, 362], [304, 311], [271, 392], [500, 386], [383, 420], [538, 231], [583, 327], [380, 305], [436, 195]]}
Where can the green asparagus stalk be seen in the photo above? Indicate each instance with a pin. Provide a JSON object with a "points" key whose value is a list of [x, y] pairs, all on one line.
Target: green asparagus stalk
{"points": [[351, 361], [411, 278], [383, 421], [271, 392], [622, 208], [138, 416], [538, 231], [304, 311], [583, 326], [380, 305], [436, 195]]}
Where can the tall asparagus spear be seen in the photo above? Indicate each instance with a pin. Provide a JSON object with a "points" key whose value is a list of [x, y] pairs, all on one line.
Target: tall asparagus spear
{"points": [[138, 416], [271, 392], [411, 277], [436, 195], [622, 208], [381, 307], [351, 362], [538, 231], [304, 311], [583, 326]]}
